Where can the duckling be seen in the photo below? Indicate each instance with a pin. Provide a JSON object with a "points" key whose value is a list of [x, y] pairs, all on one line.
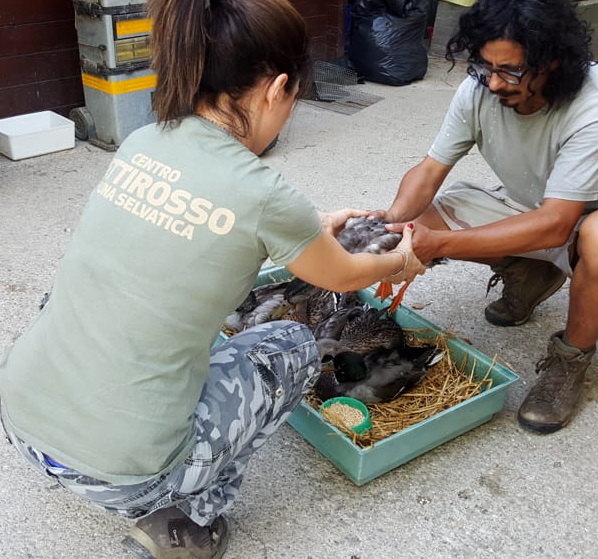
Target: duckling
{"points": [[376, 377]]}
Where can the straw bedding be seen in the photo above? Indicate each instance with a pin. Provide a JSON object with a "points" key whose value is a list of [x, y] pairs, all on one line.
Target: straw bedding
{"points": [[445, 385]]}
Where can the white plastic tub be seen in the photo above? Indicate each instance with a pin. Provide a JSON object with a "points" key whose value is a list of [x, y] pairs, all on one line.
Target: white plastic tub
{"points": [[35, 134]]}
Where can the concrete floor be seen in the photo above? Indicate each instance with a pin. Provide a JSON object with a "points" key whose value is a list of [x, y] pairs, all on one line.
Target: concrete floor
{"points": [[496, 491]]}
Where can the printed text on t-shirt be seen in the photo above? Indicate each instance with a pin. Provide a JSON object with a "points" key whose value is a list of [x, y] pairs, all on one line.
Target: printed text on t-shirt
{"points": [[144, 188]]}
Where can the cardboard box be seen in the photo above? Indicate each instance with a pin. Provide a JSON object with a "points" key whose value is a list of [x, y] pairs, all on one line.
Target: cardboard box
{"points": [[35, 134], [363, 465]]}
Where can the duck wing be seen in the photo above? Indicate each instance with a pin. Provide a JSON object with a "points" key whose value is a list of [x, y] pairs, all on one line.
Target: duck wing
{"points": [[392, 372], [259, 306], [349, 307], [377, 377], [329, 348], [368, 329], [332, 326], [328, 386], [368, 235], [309, 304]]}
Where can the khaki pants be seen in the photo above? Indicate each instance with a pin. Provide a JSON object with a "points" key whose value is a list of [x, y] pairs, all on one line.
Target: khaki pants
{"points": [[464, 205]]}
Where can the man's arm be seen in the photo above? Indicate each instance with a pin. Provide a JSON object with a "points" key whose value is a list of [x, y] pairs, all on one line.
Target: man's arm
{"points": [[547, 227], [416, 191]]}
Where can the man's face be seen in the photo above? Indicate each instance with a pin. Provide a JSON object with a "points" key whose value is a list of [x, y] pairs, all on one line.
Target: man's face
{"points": [[525, 97]]}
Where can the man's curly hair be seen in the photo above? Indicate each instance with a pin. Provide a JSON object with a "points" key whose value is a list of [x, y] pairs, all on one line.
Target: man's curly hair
{"points": [[551, 33]]}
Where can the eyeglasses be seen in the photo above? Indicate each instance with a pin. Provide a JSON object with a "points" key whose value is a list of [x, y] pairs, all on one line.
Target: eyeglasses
{"points": [[483, 73]]}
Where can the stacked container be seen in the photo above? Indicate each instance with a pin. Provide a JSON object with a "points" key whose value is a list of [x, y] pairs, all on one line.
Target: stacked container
{"points": [[114, 53]]}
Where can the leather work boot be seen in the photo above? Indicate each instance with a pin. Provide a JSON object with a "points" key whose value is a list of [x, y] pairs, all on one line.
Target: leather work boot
{"points": [[170, 534], [526, 283], [552, 402]]}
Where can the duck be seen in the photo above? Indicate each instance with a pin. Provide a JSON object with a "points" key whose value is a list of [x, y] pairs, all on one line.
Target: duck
{"points": [[363, 234], [361, 329], [292, 299], [313, 305], [376, 377], [262, 304], [333, 326]]}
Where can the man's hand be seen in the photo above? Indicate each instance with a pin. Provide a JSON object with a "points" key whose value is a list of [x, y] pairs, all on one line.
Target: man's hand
{"points": [[424, 241], [379, 214]]}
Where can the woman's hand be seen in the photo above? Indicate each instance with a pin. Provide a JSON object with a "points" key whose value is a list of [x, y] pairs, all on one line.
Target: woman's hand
{"points": [[334, 222], [411, 265]]}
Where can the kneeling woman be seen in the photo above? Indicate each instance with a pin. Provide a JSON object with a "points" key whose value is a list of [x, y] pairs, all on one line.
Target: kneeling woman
{"points": [[116, 389]]}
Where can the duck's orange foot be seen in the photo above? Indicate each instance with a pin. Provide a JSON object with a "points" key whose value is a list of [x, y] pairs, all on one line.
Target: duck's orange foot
{"points": [[399, 297], [384, 291]]}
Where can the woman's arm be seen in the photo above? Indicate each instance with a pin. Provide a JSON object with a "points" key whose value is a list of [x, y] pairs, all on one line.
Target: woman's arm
{"points": [[325, 263]]}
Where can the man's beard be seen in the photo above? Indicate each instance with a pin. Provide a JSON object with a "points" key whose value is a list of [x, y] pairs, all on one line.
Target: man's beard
{"points": [[504, 96]]}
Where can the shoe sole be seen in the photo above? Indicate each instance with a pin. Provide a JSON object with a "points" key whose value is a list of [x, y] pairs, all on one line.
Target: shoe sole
{"points": [[540, 428], [497, 321], [135, 547], [144, 547]]}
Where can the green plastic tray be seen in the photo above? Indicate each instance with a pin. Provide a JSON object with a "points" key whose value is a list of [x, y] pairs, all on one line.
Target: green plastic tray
{"points": [[363, 465]]}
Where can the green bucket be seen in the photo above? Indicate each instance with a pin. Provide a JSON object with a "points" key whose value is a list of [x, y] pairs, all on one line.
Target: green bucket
{"points": [[360, 428]]}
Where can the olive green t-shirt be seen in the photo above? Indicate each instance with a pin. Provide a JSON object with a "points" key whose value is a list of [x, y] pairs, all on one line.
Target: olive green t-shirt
{"points": [[107, 378]]}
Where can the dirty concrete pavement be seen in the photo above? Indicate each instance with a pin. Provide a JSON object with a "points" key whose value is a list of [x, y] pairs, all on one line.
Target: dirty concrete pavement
{"points": [[495, 491]]}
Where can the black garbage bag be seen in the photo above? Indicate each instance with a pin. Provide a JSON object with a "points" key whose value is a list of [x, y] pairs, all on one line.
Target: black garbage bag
{"points": [[386, 43]]}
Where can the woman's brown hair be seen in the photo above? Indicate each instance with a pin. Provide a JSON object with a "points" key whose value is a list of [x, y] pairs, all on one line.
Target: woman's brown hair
{"points": [[202, 48]]}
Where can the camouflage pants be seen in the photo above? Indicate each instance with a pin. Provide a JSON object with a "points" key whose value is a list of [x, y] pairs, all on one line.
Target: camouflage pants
{"points": [[256, 380]]}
